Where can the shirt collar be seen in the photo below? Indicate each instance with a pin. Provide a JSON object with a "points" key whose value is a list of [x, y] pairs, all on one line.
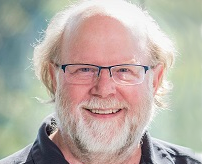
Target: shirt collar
{"points": [[44, 150], [153, 152]]}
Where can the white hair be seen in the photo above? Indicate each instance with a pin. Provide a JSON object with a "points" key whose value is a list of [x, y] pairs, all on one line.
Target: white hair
{"points": [[158, 45]]}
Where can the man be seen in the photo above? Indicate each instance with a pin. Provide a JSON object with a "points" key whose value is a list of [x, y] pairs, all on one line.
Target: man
{"points": [[104, 64]]}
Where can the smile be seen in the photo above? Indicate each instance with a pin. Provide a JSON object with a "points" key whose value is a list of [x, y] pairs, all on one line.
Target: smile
{"points": [[99, 111]]}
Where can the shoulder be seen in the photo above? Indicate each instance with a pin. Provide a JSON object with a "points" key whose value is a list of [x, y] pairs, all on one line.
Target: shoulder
{"points": [[21, 157], [177, 153]]}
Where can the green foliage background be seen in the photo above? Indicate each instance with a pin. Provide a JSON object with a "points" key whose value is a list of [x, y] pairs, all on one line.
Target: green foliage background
{"points": [[21, 23]]}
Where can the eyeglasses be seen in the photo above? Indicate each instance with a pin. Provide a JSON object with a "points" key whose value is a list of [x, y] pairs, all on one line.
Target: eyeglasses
{"points": [[123, 74]]}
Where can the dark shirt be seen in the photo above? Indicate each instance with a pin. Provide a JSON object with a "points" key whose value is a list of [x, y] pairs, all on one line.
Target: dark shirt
{"points": [[44, 151]]}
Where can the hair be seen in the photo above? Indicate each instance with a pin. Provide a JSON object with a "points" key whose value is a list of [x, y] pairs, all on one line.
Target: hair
{"points": [[160, 48]]}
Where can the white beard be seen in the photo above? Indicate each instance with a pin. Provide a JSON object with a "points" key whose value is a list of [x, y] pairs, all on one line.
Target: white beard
{"points": [[97, 142]]}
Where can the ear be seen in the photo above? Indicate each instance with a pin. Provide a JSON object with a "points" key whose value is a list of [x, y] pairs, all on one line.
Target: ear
{"points": [[53, 76], [158, 75]]}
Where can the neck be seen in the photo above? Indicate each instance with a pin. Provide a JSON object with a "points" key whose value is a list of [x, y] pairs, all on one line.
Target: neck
{"points": [[126, 157]]}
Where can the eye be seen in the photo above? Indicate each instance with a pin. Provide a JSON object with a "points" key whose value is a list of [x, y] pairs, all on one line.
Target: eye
{"points": [[85, 69], [123, 70]]}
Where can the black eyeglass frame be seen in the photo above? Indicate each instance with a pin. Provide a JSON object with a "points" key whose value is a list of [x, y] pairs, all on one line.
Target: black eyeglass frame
{"points": [[146, 68]]}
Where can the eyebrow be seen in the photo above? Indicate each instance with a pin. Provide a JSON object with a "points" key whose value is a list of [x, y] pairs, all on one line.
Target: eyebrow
{"points": [[133, 62], [125, 62]]}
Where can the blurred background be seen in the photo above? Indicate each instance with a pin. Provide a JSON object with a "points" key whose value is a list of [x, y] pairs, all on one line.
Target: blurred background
{"points": [[22, 23]]}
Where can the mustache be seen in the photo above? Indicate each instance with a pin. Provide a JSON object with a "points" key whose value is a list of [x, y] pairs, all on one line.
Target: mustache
{"points": [[97, 103]]}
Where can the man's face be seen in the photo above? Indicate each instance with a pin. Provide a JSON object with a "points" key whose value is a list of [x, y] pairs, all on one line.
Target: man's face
{"points": [[122, 112]]}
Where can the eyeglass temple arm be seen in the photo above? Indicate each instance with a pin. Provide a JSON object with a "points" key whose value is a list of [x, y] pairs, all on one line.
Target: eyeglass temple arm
{"points": [[61, 66], [146, 68]]}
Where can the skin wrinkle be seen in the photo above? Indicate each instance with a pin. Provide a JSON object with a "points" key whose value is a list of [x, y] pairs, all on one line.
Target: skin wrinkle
{"points": [[70, 39], [94, 141], [133, 17], [84, 150], [103, 33]]}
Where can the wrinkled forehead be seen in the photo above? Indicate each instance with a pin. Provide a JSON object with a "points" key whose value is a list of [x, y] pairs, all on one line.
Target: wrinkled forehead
{"points": [[130, 16], [95, 17]]}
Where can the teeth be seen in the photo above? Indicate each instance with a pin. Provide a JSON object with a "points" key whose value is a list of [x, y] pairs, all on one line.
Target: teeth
{"points": [[110, 111]]}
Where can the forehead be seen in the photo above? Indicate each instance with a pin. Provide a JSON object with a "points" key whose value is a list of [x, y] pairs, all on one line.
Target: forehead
{"points": [[101, 37]]}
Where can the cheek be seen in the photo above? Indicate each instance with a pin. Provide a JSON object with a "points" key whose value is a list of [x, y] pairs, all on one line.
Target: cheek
{"points": [[76, 93], [137, 96], [132, 94]]}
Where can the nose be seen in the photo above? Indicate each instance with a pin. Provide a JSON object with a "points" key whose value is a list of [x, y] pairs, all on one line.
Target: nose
{"points": [[104, 86]]}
